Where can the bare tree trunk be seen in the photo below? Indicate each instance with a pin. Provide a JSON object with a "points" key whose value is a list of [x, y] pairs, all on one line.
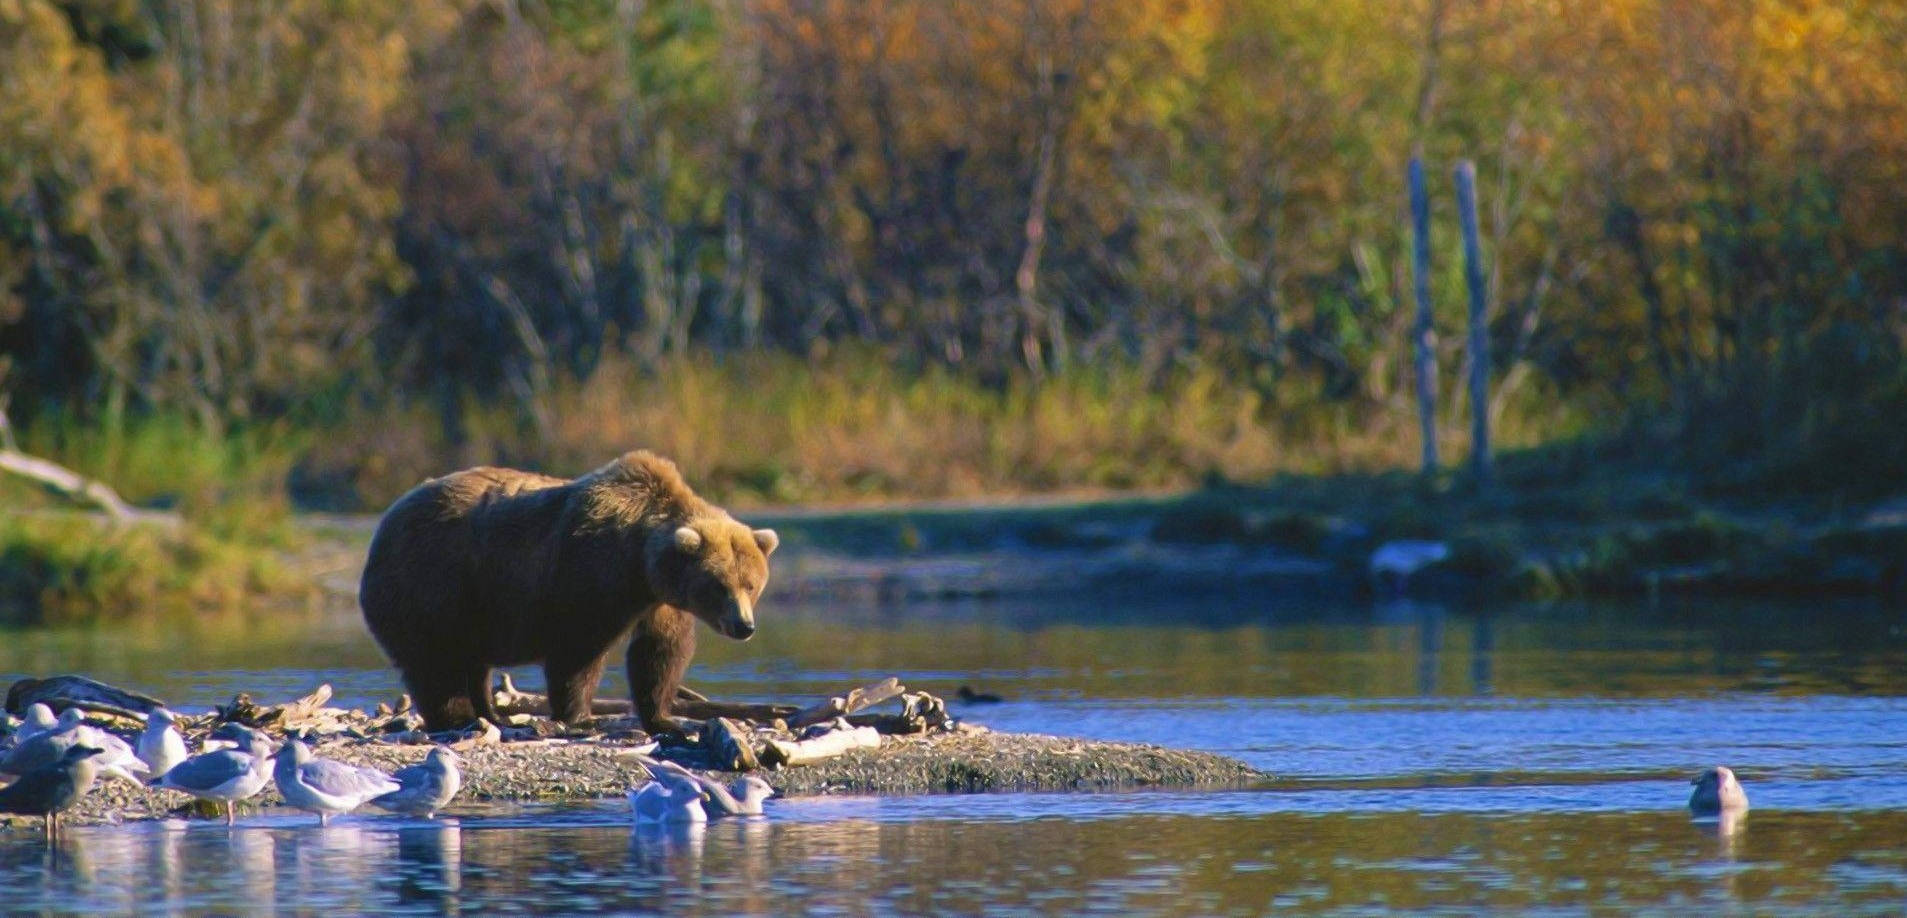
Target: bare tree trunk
{"points": [[1425, 335], [1026, 279], [1479, 323]]}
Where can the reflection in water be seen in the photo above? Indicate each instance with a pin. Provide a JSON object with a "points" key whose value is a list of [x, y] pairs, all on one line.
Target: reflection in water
{"points": [[1431, 757], [1482, 648], [429, 865], [1048, 648], [807, 859]]}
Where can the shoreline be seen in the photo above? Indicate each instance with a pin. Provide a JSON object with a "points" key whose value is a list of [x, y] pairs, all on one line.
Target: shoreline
{"points": [[558, 771]]}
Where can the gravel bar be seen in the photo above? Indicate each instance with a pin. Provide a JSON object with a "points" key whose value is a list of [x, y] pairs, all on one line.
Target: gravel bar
{"points": [[557, 771]]}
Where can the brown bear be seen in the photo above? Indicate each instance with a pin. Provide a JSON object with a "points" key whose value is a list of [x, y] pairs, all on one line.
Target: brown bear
{"points": [[495, 567]]}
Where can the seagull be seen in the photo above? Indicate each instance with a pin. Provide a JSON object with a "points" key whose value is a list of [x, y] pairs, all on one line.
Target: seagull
{"points": [[39, 719], [161, 747], [678, 802], [1393, 563], [116, 758], [426, 787], [323, 786], [1716, 791], [234, 735], [743, 798], [50, 789], [223, 775]]}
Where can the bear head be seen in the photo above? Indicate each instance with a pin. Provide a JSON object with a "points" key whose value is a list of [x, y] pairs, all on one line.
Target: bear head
{"points": [[713, 568]]}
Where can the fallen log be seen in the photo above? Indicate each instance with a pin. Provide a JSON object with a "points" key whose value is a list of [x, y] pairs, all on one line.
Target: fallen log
{"points": [[509, 700], [303, 715], [705, 710], [78, 487], [62, 692], [820, 748], [853, 702]]}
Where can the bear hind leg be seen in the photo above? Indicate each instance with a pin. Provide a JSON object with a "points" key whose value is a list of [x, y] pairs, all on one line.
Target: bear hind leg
{"points": [[452, 701], [573, 686], [442, 698]]}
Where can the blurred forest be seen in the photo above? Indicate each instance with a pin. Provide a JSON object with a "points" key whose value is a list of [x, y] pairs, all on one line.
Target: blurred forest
{"points": [[818, 248]]}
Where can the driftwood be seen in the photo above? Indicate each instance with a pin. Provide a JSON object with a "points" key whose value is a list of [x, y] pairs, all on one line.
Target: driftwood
{"points": [[509, 700], [729, 741], [76, 486], [303, 715], [706, 710], [62, 692], [920, 712], [486, 734], [853, 702], [825, 746]]}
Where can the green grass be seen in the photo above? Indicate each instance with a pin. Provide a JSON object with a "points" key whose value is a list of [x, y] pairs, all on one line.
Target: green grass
{"points": [[63, 569]]}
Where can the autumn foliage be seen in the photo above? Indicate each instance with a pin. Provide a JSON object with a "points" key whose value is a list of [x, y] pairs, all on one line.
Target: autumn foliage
{"points": [[235, 210]]}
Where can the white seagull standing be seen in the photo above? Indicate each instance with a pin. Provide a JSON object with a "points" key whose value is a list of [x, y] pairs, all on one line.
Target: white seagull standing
{"points": [[426, 787], [161, 747], [223, 775], [325, 787]]}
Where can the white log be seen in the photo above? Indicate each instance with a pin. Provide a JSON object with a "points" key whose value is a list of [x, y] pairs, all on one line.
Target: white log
{"points": [[826, 746], [72, 484]]}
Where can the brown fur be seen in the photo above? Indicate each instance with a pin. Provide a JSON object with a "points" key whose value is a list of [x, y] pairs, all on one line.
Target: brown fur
{"points": [[495, 567]]}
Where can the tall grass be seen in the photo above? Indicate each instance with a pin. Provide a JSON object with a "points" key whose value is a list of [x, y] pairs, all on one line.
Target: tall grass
{"points": [[770, 428]]}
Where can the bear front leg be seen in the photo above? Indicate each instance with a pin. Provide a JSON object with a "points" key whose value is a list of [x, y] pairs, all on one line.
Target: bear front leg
{"points": [[449, 700], [659, 651], [573, 685]]}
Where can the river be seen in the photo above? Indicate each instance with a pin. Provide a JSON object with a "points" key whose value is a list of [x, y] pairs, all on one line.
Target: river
{"points": [[1433, 759]]}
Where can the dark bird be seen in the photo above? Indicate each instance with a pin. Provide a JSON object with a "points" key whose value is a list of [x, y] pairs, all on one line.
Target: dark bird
{"points": [[968, 695], [51, 789], [1717, 791]]}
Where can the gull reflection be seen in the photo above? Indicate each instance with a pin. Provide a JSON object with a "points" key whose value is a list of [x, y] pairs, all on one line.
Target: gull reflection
{"points": [[669, 850], [430, 864], [1725, 827]]}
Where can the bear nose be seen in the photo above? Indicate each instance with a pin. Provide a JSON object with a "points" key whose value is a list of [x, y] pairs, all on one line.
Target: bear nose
{"points": [[740, 621]]}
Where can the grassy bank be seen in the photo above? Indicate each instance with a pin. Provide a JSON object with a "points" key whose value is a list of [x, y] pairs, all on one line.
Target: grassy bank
{"points": [[1560, 521], [1226, 464], [773, 429]]}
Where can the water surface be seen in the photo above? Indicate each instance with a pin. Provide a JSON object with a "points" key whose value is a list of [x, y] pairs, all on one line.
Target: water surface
{"points": [[1428, 759]]}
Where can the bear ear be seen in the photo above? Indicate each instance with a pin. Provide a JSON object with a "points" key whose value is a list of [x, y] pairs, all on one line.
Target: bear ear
{"points": [[688, 540], [768, 541]]}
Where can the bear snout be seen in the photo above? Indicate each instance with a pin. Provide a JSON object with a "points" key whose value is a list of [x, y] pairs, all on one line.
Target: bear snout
{"points": [[738, 618]]}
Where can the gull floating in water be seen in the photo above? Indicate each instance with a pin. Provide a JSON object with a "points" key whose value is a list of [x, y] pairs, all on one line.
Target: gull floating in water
{"points": [[676, 802], [743, 798], [50, 789], [116, 758], [223, 775], [1393, 563], [426, 788], [161, 747], [1717, 791], [323, 786]]}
